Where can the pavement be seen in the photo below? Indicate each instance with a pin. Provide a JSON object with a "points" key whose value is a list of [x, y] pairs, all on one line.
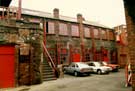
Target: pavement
{"points": [[114, 81]]}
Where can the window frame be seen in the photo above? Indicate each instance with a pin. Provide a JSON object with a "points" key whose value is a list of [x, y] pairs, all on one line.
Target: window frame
{"points": [[75, 35], [62, 32], [103, 35], [89, 32], [111, 35], [97, 36], [48, 31]]}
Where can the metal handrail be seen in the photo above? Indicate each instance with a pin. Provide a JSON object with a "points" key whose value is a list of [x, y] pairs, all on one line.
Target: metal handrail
{"points": [[50, 59], [7, 11]]}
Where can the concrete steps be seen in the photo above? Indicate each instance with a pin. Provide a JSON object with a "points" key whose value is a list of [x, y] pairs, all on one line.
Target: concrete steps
{"points": [[47, 72]]}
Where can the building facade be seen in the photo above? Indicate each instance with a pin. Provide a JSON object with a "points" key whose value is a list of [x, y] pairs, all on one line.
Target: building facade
{"points": [[122, 44], [76, 40], [39, 40]]}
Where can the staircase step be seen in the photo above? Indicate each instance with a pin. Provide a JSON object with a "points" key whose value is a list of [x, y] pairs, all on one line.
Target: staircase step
{"points": [[45, 66], [48, 76], [47, 73], [49, 79], [47, 70]]}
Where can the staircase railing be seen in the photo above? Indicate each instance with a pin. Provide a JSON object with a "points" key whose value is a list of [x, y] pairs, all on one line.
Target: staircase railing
{"points": [[8, 12], [50, 61]]}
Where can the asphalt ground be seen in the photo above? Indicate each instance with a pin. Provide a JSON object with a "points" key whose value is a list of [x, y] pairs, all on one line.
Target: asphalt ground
{"points": [[114, 81]]}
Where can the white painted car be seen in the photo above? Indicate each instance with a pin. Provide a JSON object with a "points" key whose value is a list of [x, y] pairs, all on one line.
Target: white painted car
{"points": [[78, 68], [99, 68]]}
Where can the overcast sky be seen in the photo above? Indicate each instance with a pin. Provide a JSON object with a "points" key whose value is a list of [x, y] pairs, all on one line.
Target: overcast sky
{"points": [[107, 12]]}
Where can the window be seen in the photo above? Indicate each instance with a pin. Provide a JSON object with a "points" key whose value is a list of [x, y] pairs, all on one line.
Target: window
{"points": [[63, 29], [50, 28], [74, 30], [103, 34], [77, 66], [87, 32], [111, 35], [91, 64], [73, 65], [96, 33]]}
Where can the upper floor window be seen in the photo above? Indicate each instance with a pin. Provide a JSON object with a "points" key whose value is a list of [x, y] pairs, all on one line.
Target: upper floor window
{"points": [[96, 33], [50, 27], [87, 32], [103, 34], [63, 29], [75, 30], [111, 35]]}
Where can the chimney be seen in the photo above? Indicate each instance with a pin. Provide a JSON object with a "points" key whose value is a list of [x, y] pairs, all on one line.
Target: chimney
{"points": [[80, 18], [56, 13]]}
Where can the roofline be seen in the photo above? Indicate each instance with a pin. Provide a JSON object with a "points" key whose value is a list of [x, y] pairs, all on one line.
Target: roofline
{"points": [[61, 18]]}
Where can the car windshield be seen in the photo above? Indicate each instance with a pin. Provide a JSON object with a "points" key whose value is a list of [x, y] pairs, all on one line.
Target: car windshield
{"points": [[98, 64], [104, 63]]}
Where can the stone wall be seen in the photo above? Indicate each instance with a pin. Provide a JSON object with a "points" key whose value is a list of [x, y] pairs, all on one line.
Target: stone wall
{"points": [[28, 40]]}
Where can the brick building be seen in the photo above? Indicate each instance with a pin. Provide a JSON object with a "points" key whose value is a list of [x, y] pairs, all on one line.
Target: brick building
{"points": [[130, 20], [122, 44], [40, 41], [76, 39]]}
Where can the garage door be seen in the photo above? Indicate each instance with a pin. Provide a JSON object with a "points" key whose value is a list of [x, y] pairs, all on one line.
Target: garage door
{"points": [[7, 66]]}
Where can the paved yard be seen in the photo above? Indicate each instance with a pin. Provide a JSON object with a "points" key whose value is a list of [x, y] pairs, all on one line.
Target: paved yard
{"points": [[112, 82]]}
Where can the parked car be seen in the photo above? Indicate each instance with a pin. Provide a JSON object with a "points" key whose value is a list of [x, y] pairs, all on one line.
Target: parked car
{"points": [[114, 67], [78, 68], [98, 67]]}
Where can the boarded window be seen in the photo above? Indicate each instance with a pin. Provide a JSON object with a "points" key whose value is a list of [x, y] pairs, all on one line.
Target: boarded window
{"points": [[51, 28], [103, 34], [63, 29], [87, 32], [96, 33], [111, 35], [75, 30]]}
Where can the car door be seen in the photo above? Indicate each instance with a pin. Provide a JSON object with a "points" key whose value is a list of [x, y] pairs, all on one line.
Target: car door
{"points": [[92, 65], [72, 69], [68, 68]]}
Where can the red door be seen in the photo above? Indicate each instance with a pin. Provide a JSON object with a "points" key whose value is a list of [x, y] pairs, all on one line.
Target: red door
{"points": [[7, 70], [76, 57]]}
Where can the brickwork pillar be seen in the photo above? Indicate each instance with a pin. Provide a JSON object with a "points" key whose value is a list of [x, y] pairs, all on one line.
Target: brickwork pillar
{"points": [[93, 43], [130, 20], [56, 28], [81, 31]]}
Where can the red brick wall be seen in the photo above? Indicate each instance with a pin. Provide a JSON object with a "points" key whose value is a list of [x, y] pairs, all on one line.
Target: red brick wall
{"points": [[129, 8]]}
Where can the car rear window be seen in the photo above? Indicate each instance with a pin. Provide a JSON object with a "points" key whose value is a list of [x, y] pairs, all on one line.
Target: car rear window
{"points": [[81, 65]]}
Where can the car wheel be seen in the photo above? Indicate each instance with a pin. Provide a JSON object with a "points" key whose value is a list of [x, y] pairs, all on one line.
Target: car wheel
{"points": [[99, 72], [75, 73]]}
